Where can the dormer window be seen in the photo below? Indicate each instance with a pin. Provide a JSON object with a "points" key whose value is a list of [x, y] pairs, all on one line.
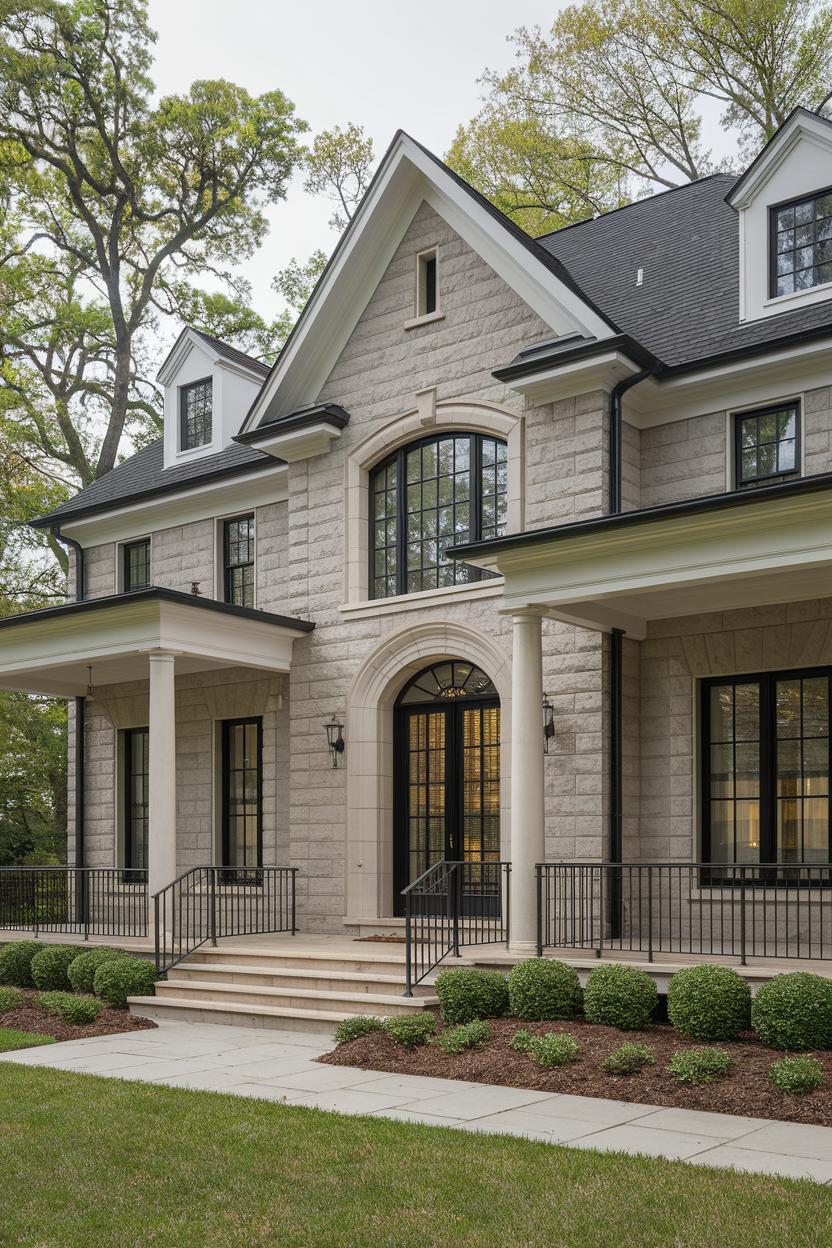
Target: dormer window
{"points": [[427, 287], [801, 244], [195, 415], [767, 445]]}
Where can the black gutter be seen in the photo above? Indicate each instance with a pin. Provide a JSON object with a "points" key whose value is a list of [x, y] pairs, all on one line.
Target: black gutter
{"points": [[616, 465], [317, 413], [527, 364], [80, 732]]}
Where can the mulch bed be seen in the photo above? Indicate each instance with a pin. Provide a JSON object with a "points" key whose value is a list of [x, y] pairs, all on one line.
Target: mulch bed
{"points": [[109, 1022], [747, 1090]]}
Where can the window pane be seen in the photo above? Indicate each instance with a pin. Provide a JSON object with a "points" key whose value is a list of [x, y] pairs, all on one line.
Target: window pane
{"points": [[767, 444], [196, 414]]}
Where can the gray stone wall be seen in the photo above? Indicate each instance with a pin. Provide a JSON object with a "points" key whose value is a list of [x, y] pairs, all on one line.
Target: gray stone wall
{"points": [[684, 459]]}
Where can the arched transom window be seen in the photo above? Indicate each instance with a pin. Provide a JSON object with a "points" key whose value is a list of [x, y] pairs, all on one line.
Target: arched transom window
{"points": [[442, 491]]}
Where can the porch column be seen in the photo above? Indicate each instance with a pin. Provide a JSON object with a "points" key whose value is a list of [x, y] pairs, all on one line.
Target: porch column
{"points": [[161, 837], [526, 775]]}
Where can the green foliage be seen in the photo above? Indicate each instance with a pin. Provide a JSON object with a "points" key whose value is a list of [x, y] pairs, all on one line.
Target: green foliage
{"points": [[521, 1040], [82, 969], [794, 1011], [121, 978], [50, 967], [69, 1007], [468, 993], [471, 1035], [797, 1075], [628, 1059], [556, 1048], [16, 962], [699, 1066], [33, 792], [708, 1002], [411, 1030], [10, 999], [354, 1028], [620, 996], [11, 1039], [542, 988]]}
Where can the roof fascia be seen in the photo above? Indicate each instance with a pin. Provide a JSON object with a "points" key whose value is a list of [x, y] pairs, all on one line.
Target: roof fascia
{"points": [[187, 342], [798, 125]]}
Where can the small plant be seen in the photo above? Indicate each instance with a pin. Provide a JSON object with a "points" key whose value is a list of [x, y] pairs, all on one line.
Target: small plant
{"points": [[628, 1059], [411, 1030], [121, 978], [794, 1011], [354, 1028], [16, 962], [70, 1008], [82, 970], [542, 988], [468, 993], [10, 999], [471, 1035], [620, 996], [708, 1002], [50, 967], [797, 1075], [698, 1066], [521, 1040], [556, 1048]]}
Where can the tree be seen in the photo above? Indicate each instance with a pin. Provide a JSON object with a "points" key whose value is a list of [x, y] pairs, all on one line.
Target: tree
{"points": [[608, 104], [33, 780]]}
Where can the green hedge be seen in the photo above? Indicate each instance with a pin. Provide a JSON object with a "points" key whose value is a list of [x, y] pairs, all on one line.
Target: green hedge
{"points": [[556, 1048], [468, 994], [10, 999], [699, 1066], [16, 962], [121, 978], [542, 988], [628, 1059], [82, 971], [794, 1011], [797, 1075], [708, 1002], [471, 1035], [357, 1026], [69, 1007], [411, 1030], [620, 996], [50, 967]]}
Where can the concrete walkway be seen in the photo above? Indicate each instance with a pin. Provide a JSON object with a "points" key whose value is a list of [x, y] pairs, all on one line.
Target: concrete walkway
{"points": [[280, 1066]]}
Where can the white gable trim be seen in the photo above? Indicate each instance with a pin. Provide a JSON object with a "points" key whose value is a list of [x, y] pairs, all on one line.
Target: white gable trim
{"points": [[181, 349], [800, 125], [406, 178]]}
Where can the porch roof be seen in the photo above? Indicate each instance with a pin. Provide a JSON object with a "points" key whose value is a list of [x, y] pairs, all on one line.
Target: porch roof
{"points": [[50, 651], [721, 552]]}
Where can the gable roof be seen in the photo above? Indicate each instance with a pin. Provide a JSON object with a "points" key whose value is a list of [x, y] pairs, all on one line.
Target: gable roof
{"points": [[216, 347], [800, 120], [228, 352]]}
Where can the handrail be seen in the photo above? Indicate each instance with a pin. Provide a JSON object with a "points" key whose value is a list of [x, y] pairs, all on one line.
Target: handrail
{"points": [[88, 901]]}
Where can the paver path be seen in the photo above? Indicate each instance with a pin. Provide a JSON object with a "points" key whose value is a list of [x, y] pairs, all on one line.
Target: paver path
{"points": [[281, 1066]]}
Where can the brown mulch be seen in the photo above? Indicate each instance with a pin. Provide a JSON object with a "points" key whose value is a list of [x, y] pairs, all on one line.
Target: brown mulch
{"points": [[747, 1090], [109, 1022]]}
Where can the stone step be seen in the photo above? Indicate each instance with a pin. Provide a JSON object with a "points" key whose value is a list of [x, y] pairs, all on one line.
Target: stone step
{"points": [[228, 1014], [297, 998], [288, 977], [265, 956]]}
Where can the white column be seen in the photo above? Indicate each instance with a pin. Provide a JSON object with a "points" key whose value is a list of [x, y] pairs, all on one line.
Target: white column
{"points": [[161, 839], [527, 804]]}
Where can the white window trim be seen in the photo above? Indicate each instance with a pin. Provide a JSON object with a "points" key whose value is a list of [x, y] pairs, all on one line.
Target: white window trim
{"points": [[421, 317], [184, 453]]}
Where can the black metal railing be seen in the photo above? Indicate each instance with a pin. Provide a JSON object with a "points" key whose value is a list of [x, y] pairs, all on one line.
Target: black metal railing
{"points": [[769, 910], [206, 903], [88, 901], [450, 905]]}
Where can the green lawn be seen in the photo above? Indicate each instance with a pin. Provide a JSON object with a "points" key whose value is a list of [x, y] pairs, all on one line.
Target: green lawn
{"points": [[10, 1039], [95, 1161]]}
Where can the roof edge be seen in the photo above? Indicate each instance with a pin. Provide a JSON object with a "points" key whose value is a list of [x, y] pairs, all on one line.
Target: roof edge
{"points": [[582, 351], [315, 413]]}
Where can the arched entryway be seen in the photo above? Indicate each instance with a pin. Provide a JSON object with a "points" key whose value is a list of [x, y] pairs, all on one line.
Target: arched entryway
{"points": [[446, 771]]}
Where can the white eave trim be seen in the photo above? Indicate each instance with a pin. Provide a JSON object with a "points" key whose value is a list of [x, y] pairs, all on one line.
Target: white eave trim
{"points": [[801, 124], [564, 381], [301, 443], [189, 341]]}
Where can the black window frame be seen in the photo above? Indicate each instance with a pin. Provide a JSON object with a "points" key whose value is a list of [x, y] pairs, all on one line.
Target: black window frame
{"points": [[131, 868], [427, 282], [128, 549], [767, 682], [184, 443], [475, 499], [793, 405], [225, 776], [774, 209], [229, 567]]}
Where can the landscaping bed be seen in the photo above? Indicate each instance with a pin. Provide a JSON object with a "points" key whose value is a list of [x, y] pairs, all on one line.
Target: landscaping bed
{"points": [[35, 1020]]}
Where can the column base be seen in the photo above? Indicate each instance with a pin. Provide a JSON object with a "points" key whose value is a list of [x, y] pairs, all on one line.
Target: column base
{"points": [[526, 948]]}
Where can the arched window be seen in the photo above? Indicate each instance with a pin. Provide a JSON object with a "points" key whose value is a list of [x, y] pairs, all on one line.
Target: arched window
{"points": [[442, 491]]}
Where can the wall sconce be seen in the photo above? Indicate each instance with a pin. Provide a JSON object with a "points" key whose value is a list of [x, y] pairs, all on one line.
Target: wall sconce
{"points": [[548, 723], [335, 738]]}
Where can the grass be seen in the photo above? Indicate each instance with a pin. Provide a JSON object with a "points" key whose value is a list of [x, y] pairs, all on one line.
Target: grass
{"points": [[99, 1162], [10, 1039]]}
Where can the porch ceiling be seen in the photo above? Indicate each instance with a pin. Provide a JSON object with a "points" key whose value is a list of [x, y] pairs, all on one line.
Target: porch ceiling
{"points": [[716, 554], [50, 651]]}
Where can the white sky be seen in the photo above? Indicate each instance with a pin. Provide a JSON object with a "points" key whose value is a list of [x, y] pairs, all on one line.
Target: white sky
{"points": [[382, 64]]}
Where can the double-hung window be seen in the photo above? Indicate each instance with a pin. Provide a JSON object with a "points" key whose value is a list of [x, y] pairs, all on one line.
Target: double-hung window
{"points": [[767, 444], [238, 561]]}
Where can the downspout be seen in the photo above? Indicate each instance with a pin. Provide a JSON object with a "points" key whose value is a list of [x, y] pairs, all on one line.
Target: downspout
{"points": [[80, 713]]}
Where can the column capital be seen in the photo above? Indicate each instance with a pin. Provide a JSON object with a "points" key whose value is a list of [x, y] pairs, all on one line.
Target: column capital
{"points": [[524, 613]]}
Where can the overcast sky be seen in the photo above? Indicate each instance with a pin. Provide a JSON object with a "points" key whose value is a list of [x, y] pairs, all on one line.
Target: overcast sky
{"points": [[382, 64]]}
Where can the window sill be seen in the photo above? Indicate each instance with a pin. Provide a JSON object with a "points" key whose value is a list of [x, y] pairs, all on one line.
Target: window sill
{"points": [[428, 319], [797, 296], [492, 588]]}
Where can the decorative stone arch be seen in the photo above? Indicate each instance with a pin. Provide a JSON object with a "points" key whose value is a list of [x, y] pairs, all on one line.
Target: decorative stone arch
{"points": [[369, 730], [429, 416]]}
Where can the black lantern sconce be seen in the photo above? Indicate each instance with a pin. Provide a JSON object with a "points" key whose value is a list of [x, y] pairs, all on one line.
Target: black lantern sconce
{"points": [[335, 738], [548, 723]]}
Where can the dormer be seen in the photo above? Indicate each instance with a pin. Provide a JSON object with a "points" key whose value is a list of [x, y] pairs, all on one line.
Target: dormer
{"points": [[784, 205], [209, 387]]}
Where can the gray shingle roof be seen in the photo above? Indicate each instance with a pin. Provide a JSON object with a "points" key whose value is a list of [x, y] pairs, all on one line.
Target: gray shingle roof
{"points": [[232, 353]]}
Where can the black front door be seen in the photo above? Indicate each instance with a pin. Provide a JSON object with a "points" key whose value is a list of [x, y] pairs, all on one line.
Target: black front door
{"points": [[447, 746]]}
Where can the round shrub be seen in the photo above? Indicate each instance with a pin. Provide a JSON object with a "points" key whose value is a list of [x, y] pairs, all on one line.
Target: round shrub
{"points": [[797, 1075], [50, 967], [620, 996], [82, 970], [628, 1059], [411, 1030], [357, 1026], [468, 994], [70, 1008], [556, 1048], [16, 962], [699, 1066], [708, 1002], [471, 1035], [121, 978], [10, 999], [794, 1011], [542, 988]]}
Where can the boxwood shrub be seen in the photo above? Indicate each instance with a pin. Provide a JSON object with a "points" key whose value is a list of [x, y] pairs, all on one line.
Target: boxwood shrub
{"points": [[794, 1011], [69, 1007], [797, 1075], [698, 1066], [708, 1002], [628, 1059], [467, 994], [556, 1048], [620, 996], [411, 1030], [357, 1026], [521, 1040], [10, 999], [82, 970], [542, 988], [50, 967], [471, 1035], [121, 978], [16, 962]]}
